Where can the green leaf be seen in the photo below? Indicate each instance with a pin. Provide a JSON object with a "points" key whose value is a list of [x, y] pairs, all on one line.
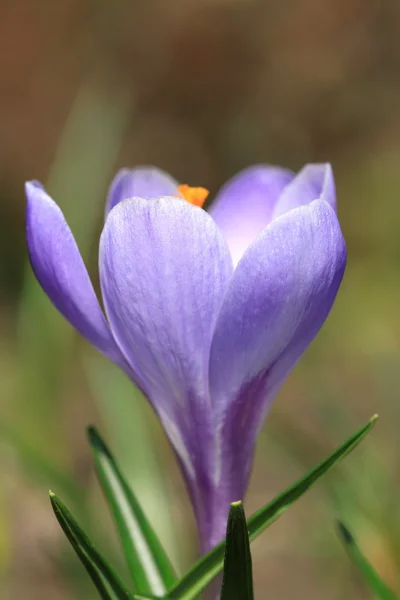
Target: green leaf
{"points": [[204, 571], [237, 582], [148, 563], [107, 582], [378, 588], [132, 426]]}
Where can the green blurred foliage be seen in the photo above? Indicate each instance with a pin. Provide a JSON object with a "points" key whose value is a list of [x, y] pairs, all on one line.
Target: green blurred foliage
{"points": [[200, 90]]}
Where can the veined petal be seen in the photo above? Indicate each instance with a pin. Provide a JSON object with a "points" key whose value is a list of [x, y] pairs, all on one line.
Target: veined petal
{"points": [[244, 205], [279, 297], [312, 182], [144, 182], [60, 270], [164, 268]]}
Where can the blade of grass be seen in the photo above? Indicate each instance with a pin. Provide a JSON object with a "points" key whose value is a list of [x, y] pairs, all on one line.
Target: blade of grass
{"points": [[237, 582], [374, 582], [134, 431], [204, 571], [107, 582], [150, 568]]}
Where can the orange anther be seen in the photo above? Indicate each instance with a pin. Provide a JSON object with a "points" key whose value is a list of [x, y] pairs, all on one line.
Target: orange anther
{"points": [[193, 195]]}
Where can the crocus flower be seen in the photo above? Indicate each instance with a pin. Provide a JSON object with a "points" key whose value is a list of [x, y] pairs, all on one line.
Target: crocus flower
{"points": [[207, 312]]}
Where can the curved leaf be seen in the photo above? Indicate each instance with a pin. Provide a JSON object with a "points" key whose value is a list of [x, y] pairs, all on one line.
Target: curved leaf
{"points": [[204, 571], [107, 582], [378, 587], [150, 568]]}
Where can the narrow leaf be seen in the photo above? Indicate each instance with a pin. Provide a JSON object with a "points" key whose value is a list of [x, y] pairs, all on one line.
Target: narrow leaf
{"points": [[129, 417], [204, 571], [107, 582], [378, 587], [237, 582], [147, 561]]}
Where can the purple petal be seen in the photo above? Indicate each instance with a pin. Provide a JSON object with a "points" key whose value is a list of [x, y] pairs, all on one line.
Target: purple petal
{"points": [[143, 182], [164, 269], [60, 270], [312, 182], [280, 295], [244, 205]]}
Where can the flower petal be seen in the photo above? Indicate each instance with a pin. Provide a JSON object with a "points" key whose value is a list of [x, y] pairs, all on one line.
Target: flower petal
{"points": [[164, 269], [280, 295], [244, 205], [59, 268], [312, 182], [143, 182]]}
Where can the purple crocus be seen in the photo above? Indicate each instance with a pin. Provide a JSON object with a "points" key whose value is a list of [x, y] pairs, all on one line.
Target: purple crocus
{"points": [[206, 312]]}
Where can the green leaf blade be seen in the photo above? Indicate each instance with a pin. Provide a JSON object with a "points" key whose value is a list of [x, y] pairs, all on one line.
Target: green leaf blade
{"points": [[377, 586], [107, 582], [266, 516], [203, 572], [148, 563], [237, 583]]}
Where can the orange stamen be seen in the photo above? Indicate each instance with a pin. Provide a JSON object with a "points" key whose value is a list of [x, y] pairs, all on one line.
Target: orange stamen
{"points": [[194, 195]]}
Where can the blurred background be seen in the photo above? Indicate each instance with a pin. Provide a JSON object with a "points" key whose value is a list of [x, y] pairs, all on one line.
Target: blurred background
{"points": [[200, 90]]}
